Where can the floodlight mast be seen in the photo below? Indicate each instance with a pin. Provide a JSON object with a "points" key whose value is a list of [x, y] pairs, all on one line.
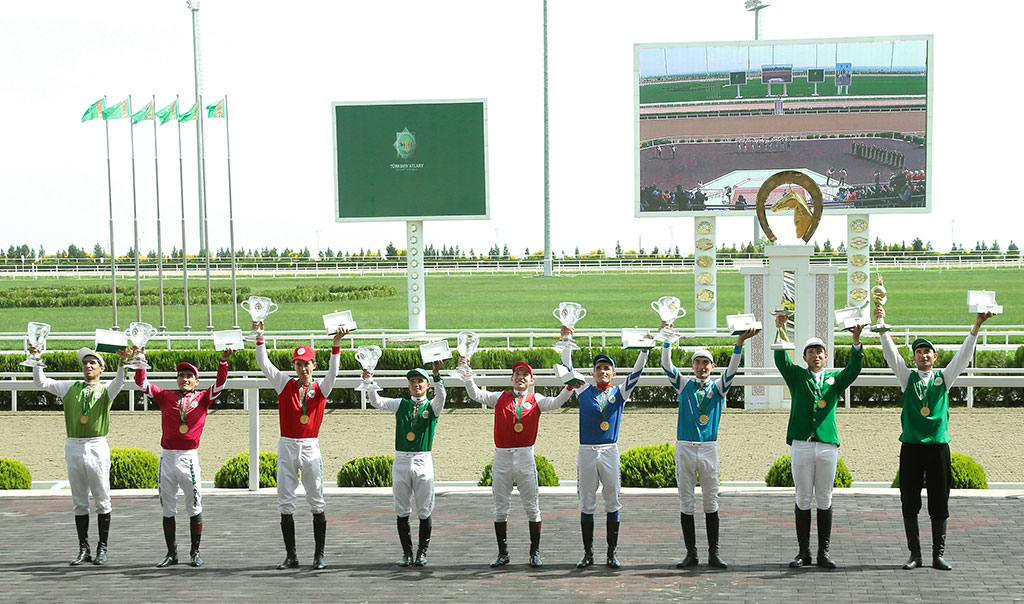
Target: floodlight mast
{"points": [[756, 6]]}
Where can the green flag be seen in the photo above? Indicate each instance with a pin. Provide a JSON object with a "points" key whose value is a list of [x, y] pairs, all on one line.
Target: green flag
{"points": [[146, 113], [117, 111], [216, 110], [168, 113], [95, 111], [191, 114]]}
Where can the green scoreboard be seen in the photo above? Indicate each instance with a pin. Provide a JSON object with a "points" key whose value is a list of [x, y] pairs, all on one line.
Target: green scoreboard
{"points": [[410, 160]]}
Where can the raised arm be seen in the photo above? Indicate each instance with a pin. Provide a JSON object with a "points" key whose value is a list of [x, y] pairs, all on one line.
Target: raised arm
{"points": [[327, 383], [387, 404], [41, 382], [963, 357], [634, 376], [222, 374], [676, 379], [725, 382], [550, 403], [481, 395], [895, 361], [150, 390], [116, 384], [440, 394], [277, 379]]}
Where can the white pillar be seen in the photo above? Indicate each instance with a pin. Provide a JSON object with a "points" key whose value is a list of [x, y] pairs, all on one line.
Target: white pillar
{"points": [[252, 400], [416, 290], [705, 273], [858, 261]]}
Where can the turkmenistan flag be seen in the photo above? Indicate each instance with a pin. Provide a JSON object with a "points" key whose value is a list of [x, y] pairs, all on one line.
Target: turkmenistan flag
{"points": [[191, 114], [117, 111], [217, 109], [95, 111], [168, 113], [146, 113]]}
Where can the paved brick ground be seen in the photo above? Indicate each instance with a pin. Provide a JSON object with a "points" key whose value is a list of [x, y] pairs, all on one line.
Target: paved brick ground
{"points": [[242, 544]]}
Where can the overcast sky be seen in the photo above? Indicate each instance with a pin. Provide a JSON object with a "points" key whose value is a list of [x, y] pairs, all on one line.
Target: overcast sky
{"points": [[282, 64]]}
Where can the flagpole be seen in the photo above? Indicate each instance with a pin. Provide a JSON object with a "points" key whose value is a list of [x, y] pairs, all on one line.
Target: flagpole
{"points": [[206, 225], [181, 188], [135, 214], [231, 215], [159, 247], [110, 207]]}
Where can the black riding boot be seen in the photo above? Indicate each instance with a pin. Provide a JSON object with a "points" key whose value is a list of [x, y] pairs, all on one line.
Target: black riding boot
{"points": [[803, 538], [714, 558], [103, 526], [824, 537], [613, 540], [84, 553], [195, 531], [939, 544], [405, 538], [501, 534], [288, 532], [426, 524], [689, 539], [319, 539], [535, 560], [913, 543], [587, 529], [172, 546]]}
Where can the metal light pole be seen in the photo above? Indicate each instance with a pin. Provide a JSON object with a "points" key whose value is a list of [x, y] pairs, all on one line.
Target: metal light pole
{"points": [[547, 172], [756, 6]]}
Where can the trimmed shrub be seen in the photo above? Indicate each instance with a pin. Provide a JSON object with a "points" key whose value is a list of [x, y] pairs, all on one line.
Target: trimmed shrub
{"points": [[132, 468], [366, 472], [14, 475], [546, 476], [967, 473], [781, 474], [234, 474], [650, 466]]}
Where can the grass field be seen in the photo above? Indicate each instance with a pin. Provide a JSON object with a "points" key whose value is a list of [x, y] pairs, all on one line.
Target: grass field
{"points": [[917, 297], [863, 85]]}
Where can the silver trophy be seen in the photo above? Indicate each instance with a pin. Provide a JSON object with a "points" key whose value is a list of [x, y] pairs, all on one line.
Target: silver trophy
{"points": [[259, 308], [569, 313], [669, 309], [367, 357], [879, 297], [468, 342], [782, 341], [139, 334], [37, 333]]}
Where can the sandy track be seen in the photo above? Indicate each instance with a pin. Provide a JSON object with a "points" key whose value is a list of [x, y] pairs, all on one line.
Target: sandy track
{"points": [[748, 440]]}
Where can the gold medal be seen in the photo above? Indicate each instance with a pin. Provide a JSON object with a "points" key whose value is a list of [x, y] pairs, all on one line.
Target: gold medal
{"points": [[84, 419], [183, 428], [704, 419], [821, 404], [304, 419], [925, 411], [410, 436], [605, 426], [518, 427]]}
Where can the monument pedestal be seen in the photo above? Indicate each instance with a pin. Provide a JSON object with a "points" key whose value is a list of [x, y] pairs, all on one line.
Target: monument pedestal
{"points": [[812, 289]]}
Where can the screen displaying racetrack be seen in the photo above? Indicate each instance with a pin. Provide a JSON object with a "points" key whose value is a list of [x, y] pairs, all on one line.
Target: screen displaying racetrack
{"points": [[706, 144]]}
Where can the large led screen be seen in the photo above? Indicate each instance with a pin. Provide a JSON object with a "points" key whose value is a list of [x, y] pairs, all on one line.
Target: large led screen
{"points": [[705, 142]]}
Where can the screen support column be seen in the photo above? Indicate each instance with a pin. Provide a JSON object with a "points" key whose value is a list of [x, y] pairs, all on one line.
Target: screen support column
{"points": [[416, 290]]}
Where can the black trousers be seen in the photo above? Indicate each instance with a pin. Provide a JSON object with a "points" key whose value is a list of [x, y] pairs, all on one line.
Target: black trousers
{"points": [[922, 465]]}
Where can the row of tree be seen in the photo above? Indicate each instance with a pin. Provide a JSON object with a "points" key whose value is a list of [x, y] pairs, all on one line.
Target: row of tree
{"points": [[25, 253]]}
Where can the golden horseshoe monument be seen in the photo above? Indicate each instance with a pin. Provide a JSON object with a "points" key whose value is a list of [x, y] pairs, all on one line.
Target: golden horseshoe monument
{"points": [[788, 275]]}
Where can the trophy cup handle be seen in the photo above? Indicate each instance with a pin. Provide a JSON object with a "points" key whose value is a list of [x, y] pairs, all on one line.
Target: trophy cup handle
{"points": [[654, 306], [245, 305], [556, 314], [583, 313], [271, 308], [682, 312]]}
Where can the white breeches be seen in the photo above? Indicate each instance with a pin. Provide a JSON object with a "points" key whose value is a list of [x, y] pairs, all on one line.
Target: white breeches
{"points": [[295, 457], [412, 480], [814, 472], [515, 465], [88, 462], [598, 464], [180, 468], [693, 459]]}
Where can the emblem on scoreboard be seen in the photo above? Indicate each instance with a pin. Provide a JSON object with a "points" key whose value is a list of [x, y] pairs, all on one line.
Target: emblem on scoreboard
{"points": [[405, 144]]}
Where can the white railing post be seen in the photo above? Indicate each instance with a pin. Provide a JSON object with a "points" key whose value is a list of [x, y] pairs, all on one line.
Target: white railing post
{"points": [[14, 396], [252, 396]]}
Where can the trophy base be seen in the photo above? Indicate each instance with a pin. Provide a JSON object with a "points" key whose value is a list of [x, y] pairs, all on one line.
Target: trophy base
{"points": [[880, 328], [33, 363], [137, 365], [465, 376], [783, 346], [370, 386], [667, 335]]}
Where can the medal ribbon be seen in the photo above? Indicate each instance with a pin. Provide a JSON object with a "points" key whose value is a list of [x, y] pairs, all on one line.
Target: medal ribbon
{"points": [[416, 409], [182, 404], [819, 386], [921, 389], [85, 398], [602, 402], [519, 406], [305, 395]]}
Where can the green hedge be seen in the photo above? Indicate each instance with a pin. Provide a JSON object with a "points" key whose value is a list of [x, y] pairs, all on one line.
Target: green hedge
{"points": [[366, 472], [651, 467], [546, 476], [234, 474], [781, 474], [967, 473], [133, 469], [14, 475]]}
